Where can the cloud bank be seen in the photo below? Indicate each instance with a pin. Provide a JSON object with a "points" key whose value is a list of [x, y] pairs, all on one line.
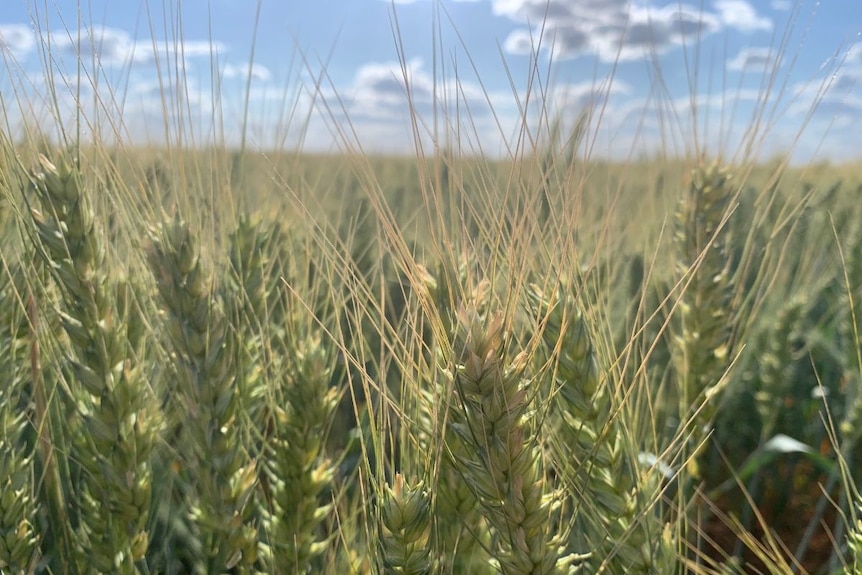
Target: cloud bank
{"points": [[620, 30]]}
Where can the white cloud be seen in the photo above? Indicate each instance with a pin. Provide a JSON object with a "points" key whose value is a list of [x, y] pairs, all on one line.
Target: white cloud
{"points": [[656, 31], [583, 95], [416, 1], [17, 39], [839, 95], [536, 11], [753, 60], [620, 29], [846, 82], [379, 88], [379, 91], [109, 46], [376, 106], [853, 56], [519, 42], [242, 71], [832, 106], [729, 124], [741, 15], [116, 48]]}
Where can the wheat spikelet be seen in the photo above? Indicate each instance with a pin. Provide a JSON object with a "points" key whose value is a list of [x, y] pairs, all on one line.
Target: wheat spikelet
{"points": [[253, 318], [849, 328], [120, 421], [248, 278], [488, 413], [405, 519], [221, 475], [460, 533], [702, 340], [777, 362], [298, 471], [19, 538], [589, 448], [854, 538], [284, 377], [256, 307]]}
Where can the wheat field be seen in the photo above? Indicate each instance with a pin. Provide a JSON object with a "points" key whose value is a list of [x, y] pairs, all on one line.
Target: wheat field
{"points": [[218, 360]]}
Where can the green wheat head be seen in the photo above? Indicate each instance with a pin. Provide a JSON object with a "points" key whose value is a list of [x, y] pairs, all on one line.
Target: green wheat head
{"points": [[591, 455], [702, 337], [405, 517], [776, 368], [218, 473], [19, 535], [299, 475], [119, 419], [490, 413], [460, 536]]}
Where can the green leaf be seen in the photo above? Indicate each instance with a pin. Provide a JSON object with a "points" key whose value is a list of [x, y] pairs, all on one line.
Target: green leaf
{"points": [[781, 445]]}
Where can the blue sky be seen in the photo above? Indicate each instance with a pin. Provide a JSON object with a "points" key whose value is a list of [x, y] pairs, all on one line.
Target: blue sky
{"points": [[660, 76]]}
